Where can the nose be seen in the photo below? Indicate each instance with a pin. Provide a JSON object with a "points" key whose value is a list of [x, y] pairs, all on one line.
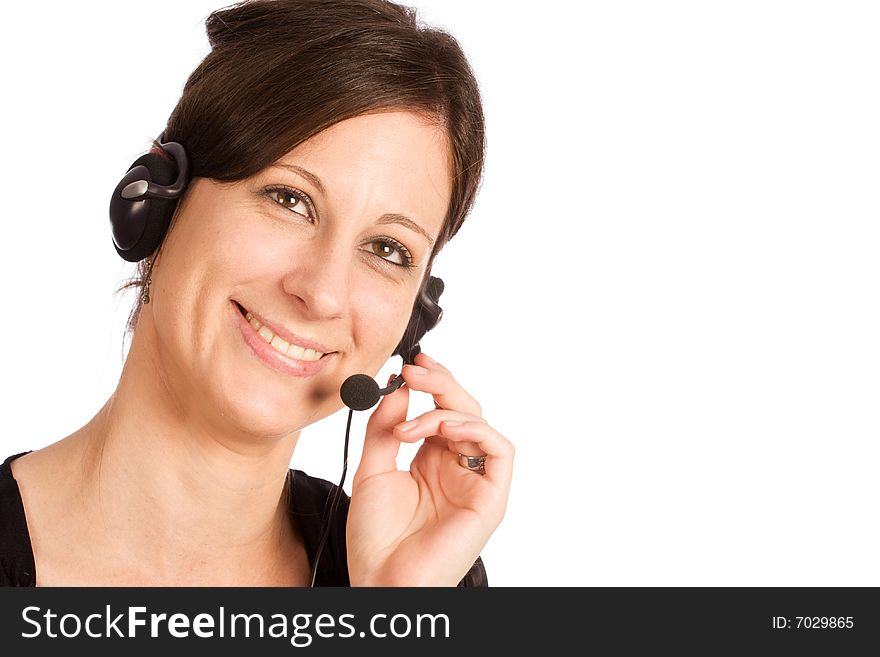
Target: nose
{"points": [[320, 278]]}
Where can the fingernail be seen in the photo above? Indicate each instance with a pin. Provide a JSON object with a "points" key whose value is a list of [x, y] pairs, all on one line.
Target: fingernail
{"points": [[418, 371], [430, 360], [406, 426]]}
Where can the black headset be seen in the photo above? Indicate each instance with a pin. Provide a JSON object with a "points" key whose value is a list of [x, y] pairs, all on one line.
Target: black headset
{"points": [[141, 209]]}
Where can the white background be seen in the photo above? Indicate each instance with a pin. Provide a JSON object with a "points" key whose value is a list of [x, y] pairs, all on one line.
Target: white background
{"points": [[666, 296]]}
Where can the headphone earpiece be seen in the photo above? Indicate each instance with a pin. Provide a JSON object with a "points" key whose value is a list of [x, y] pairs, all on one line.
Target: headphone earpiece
{"points": [[425, 316], [143, 202]]}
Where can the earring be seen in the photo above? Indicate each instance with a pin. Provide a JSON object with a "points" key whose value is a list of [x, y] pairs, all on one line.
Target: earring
{"points": [[145, 296]]}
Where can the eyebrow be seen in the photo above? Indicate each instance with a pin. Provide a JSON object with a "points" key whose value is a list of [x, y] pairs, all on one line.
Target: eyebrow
{"points": [[387, 218]]}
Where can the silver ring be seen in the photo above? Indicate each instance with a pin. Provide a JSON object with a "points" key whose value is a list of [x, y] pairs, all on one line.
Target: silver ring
{"points": [[473, 463]]}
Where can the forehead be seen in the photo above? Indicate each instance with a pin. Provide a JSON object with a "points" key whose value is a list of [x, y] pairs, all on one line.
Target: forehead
{"points": [[398, 160]]}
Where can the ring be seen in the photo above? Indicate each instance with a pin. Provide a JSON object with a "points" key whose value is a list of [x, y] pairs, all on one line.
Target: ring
{"points": [[473, 463]]}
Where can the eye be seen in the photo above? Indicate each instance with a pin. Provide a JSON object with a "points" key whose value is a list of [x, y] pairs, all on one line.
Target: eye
{"points": [[293, 200], [386, 246]]}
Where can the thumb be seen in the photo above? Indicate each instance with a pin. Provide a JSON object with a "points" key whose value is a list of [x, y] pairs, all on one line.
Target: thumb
{"points": [[380, 445]]}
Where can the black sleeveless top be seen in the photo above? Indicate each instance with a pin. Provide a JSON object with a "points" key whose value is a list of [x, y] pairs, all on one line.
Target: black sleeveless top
{"points": [[309, 497]]}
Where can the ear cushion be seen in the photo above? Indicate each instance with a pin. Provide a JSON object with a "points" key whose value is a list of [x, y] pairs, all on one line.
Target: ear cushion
{"points": [[139, 226], [425, 316]]}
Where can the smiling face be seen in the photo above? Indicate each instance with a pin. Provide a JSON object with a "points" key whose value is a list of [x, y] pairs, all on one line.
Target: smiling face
{"points": [[327, 246]]}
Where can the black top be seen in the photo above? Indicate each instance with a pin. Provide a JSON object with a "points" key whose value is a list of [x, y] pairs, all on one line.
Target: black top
{"points": [[309, 497]]}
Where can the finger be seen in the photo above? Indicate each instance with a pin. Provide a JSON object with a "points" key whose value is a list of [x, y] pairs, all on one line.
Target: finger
{"points": [[473, 434], [498, 450], [428, 423], [426, 426], [431, 377], [456, 447], [381, 446]]}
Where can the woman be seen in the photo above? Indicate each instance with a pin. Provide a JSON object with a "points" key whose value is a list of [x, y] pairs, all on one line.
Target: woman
{"points": [[333, 149]]}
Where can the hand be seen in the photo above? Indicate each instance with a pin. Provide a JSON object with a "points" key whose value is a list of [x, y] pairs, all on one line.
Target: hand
{"points": [[425, 526]]}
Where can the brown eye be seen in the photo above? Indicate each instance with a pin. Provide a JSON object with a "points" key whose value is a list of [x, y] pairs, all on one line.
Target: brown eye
{"points": [[291, 200], [385, 247]]}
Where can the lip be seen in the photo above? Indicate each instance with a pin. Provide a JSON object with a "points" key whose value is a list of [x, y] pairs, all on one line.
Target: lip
{"points": [[275, 360], [285, 335]]}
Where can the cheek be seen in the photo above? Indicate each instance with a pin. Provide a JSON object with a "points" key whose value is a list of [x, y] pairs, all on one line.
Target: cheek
{"points": [[382, 319], [241, 249]]}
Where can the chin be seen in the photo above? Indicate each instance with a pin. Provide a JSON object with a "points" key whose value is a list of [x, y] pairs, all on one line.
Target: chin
{"points": [[259, 412]]}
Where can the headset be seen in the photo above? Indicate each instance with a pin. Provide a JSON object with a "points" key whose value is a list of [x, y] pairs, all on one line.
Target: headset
{"points": [[141, 209]]}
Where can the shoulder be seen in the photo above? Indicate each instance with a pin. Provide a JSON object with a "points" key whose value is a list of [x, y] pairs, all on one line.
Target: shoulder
{"points": [[311, 499], [310, 506], [312, 490], [16, 553], [476, 576]]}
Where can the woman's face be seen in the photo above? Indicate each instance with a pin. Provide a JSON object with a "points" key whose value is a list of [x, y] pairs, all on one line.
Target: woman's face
{"points": [[330, 244]]}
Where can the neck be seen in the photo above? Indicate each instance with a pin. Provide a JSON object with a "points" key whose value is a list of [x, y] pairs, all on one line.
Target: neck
{"points": [[184, 494]]}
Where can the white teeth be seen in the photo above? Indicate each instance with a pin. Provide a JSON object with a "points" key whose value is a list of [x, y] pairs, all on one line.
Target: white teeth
{"points": [[279, 344], [291, 350]]}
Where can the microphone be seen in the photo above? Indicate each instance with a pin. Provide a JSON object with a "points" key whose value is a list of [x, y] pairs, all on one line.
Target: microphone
{"points": [[360, 391]]}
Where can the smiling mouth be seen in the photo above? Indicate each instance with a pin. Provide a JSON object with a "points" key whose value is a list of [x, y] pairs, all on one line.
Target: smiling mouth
{"points": [[279, 344]]}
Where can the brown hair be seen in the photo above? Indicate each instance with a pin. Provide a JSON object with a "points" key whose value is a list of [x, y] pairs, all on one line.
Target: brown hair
{"points": [[281, 71]]}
